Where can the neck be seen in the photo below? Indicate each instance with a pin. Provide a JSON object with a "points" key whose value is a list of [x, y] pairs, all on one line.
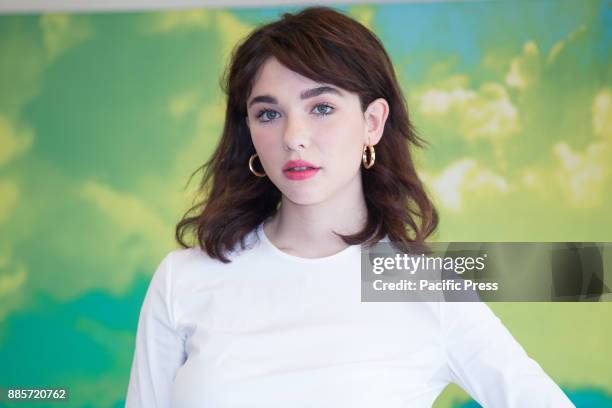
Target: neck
{"points": [[308, 230]]}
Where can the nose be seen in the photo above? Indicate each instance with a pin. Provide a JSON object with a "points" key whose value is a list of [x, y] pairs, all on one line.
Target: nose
{"points": [[296, 134]]}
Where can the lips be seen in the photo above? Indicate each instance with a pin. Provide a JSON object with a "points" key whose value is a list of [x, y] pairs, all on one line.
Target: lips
{"points": [[299, 165], [299, 170]]}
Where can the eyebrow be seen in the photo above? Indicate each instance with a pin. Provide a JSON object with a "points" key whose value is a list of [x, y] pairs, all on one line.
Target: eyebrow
{"points": [[309, 93]]}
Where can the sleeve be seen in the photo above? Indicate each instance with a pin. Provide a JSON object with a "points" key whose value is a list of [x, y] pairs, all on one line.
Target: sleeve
{"points": [[159, 350], [489, 364]]}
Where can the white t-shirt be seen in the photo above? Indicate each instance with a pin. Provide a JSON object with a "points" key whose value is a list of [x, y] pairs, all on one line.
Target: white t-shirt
{"points": [[274, 330]]}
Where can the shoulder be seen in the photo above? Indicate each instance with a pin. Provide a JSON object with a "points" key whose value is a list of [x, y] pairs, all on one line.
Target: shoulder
{"points": [[185, 257], [176, 265], [191, 255], [196, 256], [181, 263], [186, 264]]}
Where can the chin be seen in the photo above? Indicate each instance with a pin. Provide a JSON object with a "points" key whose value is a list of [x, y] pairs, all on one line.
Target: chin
{"points": [[304, 198]]}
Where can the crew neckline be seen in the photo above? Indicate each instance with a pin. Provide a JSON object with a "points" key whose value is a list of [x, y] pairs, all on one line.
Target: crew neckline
{"points": [[264, 238]]}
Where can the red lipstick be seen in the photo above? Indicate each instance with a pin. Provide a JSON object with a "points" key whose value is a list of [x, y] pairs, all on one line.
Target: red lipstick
{"points": [[299, 170]]}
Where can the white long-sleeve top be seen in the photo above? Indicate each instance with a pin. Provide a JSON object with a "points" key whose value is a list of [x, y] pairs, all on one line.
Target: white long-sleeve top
{"points": [[273, 330]]}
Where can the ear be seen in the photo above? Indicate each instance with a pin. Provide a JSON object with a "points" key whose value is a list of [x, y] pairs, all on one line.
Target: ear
{"points": [[375, 118]]}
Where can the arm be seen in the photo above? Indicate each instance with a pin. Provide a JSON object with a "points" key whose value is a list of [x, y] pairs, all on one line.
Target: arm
{"points": [[487, 362], [159, 348]]}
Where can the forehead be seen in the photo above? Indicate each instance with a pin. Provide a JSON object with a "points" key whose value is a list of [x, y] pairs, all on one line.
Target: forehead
{"points": [[275, 77], [273, 71]]}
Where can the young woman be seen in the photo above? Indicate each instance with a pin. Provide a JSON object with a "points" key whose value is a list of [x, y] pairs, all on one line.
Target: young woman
{"points": [[265, 311]]}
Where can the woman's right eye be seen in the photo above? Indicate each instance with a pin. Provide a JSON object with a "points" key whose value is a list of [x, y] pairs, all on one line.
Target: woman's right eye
{"points": [[266, 115]]}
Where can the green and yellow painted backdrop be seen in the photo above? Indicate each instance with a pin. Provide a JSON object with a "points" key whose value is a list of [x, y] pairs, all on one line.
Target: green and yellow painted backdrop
{"points": [[103, 117]]}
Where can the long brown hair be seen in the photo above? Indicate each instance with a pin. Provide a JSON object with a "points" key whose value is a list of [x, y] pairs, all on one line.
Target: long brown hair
{"points": [[326, 46]]}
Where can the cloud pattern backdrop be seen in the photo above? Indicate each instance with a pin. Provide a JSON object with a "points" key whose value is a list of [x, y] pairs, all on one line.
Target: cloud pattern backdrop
{"points": [[103, 117]]}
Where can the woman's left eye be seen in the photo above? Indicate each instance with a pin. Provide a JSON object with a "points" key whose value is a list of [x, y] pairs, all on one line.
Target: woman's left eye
{"points": [[323, 109]]}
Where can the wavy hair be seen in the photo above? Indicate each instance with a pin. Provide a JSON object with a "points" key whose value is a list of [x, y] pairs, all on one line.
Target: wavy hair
{"points": [[326, 46]]}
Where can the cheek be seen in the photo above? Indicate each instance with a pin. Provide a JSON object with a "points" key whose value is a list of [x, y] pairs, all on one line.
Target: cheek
{"points": [[342, 143], [264, 141]]}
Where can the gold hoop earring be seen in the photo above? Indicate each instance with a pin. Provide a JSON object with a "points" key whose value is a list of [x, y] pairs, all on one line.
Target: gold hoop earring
{"points": [[364, 158], [255, 172]]}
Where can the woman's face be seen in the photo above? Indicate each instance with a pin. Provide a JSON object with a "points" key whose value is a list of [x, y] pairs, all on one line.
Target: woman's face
{"points": [[293, 118]]}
